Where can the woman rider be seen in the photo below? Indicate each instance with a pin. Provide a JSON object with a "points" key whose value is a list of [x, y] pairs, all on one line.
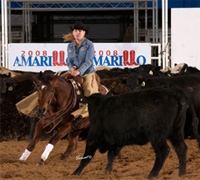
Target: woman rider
{"points": [[80, 63]]}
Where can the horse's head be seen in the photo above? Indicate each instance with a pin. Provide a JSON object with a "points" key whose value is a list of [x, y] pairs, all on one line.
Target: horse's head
{"points": [[46, 94], [55, 94]]}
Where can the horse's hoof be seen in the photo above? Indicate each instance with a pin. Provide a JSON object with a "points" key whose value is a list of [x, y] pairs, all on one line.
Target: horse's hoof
{"points": [[41, 162]]}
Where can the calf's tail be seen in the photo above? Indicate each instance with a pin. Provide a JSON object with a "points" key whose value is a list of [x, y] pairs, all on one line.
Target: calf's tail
{"points": [[195, 122], [184, 96]]}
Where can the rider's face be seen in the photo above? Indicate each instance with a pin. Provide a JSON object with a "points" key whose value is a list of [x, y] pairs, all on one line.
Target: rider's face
{"points": [[78, 34]]}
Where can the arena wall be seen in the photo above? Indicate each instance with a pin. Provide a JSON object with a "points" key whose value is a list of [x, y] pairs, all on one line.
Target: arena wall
{"points": [[185, 39]]}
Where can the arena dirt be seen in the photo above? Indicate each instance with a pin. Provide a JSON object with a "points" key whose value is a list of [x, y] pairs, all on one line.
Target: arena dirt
{"points": [[135, 163]]}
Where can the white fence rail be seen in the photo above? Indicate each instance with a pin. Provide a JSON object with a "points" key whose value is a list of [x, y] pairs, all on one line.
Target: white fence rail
{"points": [[156, 54]]}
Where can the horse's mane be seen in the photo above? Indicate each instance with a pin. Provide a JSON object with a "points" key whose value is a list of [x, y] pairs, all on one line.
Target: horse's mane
{"points": [[45, 77]]}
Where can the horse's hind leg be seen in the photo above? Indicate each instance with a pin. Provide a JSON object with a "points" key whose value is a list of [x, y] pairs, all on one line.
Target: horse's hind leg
{"points": [[72, 143], [74, 135], [36, 137], [60, 134]]}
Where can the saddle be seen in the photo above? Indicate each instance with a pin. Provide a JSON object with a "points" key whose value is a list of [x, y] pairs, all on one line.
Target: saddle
{"points": [[77, 82]]}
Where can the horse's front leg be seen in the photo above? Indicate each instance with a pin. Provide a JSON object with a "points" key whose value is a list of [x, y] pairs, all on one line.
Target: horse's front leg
{"points": [[65, 129], [36, 137]]}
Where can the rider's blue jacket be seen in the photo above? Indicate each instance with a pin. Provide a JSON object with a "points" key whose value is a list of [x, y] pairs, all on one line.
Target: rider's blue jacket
{"points": [[82, 57]]}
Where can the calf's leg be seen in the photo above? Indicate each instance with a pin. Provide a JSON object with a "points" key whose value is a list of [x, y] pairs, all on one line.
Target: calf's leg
{"points": [[161, 149], [88, 155], [177, 140], [181, 151], [111, 157]]}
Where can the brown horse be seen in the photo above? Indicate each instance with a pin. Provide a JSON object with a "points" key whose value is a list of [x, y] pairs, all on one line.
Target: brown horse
{"points": [[57, 98]]}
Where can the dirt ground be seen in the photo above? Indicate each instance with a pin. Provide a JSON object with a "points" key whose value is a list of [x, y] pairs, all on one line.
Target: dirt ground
{"points": [[135, 163]]}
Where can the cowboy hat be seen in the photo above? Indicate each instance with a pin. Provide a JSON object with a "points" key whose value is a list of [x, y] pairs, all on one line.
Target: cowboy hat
{"points": [[80, 26]]}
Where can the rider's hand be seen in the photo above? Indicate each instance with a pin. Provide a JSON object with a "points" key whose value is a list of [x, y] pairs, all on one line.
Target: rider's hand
{"points": [[73, 69], [75, 73]]}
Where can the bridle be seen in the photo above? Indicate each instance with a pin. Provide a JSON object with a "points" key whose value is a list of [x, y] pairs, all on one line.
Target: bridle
{"points": [[51, 98]]}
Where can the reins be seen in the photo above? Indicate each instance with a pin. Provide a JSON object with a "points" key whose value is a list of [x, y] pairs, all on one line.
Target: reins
{"points": [[53, 93], [66, 109]]}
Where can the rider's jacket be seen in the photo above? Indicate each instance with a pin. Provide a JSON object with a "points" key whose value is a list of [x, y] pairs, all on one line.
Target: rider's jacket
{"points": [[82, 57]]}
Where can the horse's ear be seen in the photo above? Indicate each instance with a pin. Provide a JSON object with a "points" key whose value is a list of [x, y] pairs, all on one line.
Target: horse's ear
{"points": [[45, 77], [40, 76]]}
